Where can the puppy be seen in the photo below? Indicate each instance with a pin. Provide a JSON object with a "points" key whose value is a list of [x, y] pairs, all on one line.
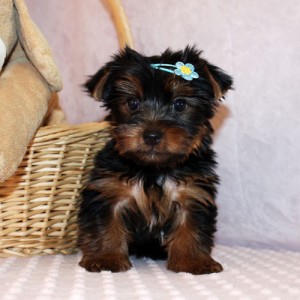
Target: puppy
{"points": [[152, 189]]}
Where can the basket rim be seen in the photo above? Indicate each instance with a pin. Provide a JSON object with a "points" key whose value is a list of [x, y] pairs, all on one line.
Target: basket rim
{"points": [[52, 129]]}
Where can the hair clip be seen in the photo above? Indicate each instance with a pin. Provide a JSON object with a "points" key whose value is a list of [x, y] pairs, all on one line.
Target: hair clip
{"points": [[186, 71]]}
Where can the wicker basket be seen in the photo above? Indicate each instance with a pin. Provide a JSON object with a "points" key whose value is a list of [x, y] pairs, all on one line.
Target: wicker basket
{"points": [[38, 203]]}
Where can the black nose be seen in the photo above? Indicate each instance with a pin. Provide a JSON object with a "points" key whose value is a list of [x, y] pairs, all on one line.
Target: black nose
{"points": [[152, 137]]}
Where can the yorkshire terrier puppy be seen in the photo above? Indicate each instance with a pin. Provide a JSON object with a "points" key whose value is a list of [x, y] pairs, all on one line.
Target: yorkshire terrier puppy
{"points": [[153, 187]]}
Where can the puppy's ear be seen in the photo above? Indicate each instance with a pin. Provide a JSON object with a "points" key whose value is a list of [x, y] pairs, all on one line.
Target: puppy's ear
{"points": [[220, 81], [95, 85]]}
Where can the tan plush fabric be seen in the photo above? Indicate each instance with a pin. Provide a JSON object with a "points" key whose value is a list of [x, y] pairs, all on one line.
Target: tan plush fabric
{"points": [[36, 48], [28, 75]]}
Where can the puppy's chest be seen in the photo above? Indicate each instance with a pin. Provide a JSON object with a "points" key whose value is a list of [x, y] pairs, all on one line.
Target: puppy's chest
{"points": [[156, 198]]}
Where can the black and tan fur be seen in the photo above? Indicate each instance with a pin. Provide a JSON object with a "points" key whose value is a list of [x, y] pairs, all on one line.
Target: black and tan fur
{"points": [[153, 187]]}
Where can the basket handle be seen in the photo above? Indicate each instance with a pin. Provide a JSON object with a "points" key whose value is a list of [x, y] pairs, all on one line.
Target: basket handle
{"points": [[120, 20]]}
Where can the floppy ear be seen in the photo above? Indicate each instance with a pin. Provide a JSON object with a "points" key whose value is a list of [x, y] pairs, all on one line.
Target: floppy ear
{"points": [[220, 81], [95, 85]]}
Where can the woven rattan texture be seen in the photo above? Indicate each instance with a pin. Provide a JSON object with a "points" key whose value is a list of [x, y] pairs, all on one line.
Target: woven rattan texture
{"points": [[38, 203]]}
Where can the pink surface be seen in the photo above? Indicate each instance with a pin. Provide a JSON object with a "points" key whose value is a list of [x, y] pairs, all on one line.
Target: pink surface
{"points": [[249, 274], [258, 129]]}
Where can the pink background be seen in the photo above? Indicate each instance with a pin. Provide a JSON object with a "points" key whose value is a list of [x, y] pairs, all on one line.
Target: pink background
{"points": [[258, 128]]}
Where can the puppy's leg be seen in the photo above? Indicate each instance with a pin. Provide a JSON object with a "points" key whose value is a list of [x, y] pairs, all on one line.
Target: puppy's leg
{"points": [[103, 238], [190, 238]]}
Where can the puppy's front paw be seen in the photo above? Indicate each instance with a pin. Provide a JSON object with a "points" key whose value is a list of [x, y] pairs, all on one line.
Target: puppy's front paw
{"points": [[202, 264], [113, 263]]}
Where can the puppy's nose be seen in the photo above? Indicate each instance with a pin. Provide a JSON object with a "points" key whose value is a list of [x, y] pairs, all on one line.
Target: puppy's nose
{"points": [[152, 137]]}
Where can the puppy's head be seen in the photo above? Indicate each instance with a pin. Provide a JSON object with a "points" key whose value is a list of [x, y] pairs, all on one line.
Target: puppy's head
{"points": [[159, 105]]}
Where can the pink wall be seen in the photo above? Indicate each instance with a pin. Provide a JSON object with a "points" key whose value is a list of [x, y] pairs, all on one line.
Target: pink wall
{"points": [[255, 41]]}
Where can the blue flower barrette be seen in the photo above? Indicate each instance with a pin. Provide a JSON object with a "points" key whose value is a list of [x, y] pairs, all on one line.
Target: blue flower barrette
{"points": [[186, 71]]}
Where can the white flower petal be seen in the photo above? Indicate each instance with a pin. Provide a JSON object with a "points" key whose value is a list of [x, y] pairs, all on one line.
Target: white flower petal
{"points": [[187, 77], [178, 72], [195, 75], [179, 64]]}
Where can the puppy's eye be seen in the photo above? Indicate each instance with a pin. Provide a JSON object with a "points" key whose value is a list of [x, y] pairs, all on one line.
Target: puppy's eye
{"points": [[133, 104], [179, 105]]}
